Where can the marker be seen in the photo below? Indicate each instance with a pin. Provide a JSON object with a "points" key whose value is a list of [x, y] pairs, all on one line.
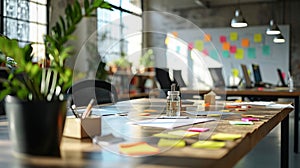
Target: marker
{"points": [[88, 109], [73, 108]]}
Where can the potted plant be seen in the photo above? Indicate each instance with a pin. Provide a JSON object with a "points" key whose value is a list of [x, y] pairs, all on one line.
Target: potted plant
{"points": [[35, 96]]}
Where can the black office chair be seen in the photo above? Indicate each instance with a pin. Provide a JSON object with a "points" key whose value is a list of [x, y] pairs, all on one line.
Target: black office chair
{"points": [[178, 78], [83, 91], [163, 77]]}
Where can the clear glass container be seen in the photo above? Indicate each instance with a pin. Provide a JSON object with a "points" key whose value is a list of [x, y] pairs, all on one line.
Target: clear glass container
{"points": [[173, 103]]}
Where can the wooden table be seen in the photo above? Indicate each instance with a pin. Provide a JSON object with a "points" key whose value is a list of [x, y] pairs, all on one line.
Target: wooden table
{"points": [[83, 153]]}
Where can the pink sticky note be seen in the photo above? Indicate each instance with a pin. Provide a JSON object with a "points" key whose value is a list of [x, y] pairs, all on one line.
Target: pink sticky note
{"points": [[232, 49], [249, 119], [190, 45], [198, 129], [205, 52], [222, 39]]}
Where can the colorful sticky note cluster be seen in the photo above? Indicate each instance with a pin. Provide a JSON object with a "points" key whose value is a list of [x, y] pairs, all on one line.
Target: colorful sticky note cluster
{"points": [[138, 148]]}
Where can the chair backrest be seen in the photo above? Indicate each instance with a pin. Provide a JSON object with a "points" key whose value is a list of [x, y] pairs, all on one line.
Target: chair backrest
{"points": [[163, 78], [83, 91], [178, 78]]}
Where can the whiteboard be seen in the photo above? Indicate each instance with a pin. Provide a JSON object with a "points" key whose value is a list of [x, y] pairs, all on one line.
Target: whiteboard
{"points": [[260, 49]]}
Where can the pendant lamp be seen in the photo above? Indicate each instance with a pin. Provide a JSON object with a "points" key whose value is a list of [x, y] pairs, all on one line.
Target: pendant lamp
{"points": [[279, 39], [238, 20], [273, 29]]}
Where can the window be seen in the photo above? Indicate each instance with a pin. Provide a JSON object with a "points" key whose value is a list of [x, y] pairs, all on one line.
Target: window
{"points": [[119, 31], [25, 20]]}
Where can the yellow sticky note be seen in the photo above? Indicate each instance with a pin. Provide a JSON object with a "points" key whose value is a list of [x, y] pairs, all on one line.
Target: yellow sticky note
{"points": [[171, 143], [233, 36], [226, 46], [167, 40], [138, 148], [225, 136], [235, 72], [245, 42], [182, 133], [166, 135], [208, 144], [199, 45], [239, 54], [207, 37], [257, 38]]}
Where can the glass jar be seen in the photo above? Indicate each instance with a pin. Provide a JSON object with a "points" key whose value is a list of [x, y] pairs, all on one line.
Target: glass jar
{"points": [[173, 103]]}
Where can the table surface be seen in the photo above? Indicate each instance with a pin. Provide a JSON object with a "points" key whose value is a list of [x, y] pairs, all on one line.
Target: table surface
{"points": [[83, 153]]}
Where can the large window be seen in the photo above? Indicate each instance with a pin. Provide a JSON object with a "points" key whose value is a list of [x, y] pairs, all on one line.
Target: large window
{"points": [[25, 20], [120, 31]]}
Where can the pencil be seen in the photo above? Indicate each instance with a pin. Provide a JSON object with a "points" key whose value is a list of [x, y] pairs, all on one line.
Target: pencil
{"points": [[88, 109]]}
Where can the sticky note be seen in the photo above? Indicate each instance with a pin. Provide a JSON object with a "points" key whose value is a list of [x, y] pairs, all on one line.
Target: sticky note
{"points": [[205, 52], [199, 45], [239, 54], [257, 38], [225, 136], [183, 133], [207, 37], [195, 129], [171, 143], [241, 122], [225, 54], [208, 144], [235, 72], [226, 46], [266, 50], [167, 40], [222, 39], [166, 135], [251, 53], [138, 148], [249, 119], [232, 49], [214, 54], [245, 42], [233, 36], [177, 49], [175, 34], [190, 45]]}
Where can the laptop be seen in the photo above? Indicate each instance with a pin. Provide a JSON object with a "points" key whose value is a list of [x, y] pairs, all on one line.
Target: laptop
{"points": [[218, 79], [248, 82], [281, 78], [258, 82]]}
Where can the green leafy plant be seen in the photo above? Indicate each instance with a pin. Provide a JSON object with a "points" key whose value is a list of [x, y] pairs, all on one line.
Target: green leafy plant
{"points": [[147, 59], [28, 81]]}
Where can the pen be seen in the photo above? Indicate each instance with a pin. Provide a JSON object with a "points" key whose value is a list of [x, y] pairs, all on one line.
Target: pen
{"points": [[88, 109], [73, 108]]}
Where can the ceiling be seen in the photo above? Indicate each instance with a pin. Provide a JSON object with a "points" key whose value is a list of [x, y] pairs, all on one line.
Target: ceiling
{"points": [[184, 4]]}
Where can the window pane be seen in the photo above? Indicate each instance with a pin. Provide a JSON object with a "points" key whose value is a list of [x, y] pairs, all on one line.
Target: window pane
{"points": [[44, 2], [11, 8], [23, 10], [132, 5], [114, 2], [36, 32]]}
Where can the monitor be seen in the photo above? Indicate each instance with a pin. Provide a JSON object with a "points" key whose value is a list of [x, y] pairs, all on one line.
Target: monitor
{"points": [[257, 74], [281, 78], [246, 76], [217, 77]]}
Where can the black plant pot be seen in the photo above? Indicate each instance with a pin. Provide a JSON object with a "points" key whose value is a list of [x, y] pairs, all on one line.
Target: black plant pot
{"points": [[36, 127]]}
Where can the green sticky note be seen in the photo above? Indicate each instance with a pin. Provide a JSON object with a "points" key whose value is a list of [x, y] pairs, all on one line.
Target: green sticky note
{"points": [[225, 136], [239, 54], [183, 133], [208, 144], [251, 53], [214, 54], [225, 54], [257, 38], [166, 135], [266, 50], [235, 72], [171, 143], [199, 45]]}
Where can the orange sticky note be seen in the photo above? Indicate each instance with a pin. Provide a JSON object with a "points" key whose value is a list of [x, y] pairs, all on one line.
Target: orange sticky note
{"points": [[245, 42], [138, 148], [207, 37], [226, 46], [175, 34]]}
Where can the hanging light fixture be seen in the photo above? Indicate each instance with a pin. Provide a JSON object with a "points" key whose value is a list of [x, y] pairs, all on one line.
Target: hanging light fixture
{"points": [[238, 20], [273, 29], [279, 39]]}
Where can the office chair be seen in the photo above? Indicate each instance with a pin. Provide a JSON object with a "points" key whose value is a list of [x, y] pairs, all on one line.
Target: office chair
{"points": [[178, 78], [163, 77], [83, 91]]}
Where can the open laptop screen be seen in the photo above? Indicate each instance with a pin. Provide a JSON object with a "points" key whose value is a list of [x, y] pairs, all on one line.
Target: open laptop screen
{"points": [[281, 78], [256, 73]]}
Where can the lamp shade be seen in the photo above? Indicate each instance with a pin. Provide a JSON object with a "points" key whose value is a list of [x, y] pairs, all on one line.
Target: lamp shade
{"points": [[279, 39], [273, 29], [238, 20]]}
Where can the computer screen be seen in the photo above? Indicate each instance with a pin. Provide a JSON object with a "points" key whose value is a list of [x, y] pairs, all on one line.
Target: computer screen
{"points": [[217, 77], [246, 76], [256, 73]]}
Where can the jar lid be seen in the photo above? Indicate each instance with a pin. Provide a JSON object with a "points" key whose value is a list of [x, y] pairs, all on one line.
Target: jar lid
{"points": [[173, 92]]}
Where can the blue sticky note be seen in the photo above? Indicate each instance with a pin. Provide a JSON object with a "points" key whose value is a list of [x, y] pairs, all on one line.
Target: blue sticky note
{"points": [[266, 50], [214, 54], [225, 54], [251, 53]]}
